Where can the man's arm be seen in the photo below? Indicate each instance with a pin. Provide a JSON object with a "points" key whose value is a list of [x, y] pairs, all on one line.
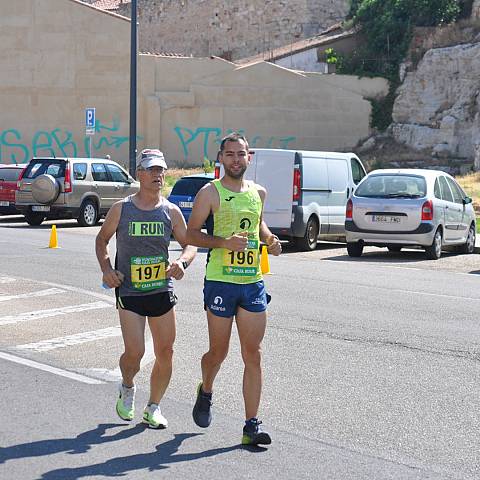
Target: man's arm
{"points": [[176, 269], [112, 278], [266, 236], [206, 202]]}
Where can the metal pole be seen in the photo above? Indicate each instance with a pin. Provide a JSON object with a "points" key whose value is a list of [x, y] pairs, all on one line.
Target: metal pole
{"points": [[132, 153]]}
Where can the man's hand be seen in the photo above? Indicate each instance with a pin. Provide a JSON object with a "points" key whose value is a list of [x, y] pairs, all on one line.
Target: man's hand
{"points": [[175, 270], [274, 246], [113, 278], [237, 242]]}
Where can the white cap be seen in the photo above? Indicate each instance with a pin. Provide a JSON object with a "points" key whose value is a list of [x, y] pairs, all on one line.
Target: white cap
{"points": [[151, 158]]}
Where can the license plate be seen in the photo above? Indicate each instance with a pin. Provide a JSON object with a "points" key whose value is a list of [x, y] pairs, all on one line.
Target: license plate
{"points": [[4, 204], [385, 219], [185, 204], [40, 208]]}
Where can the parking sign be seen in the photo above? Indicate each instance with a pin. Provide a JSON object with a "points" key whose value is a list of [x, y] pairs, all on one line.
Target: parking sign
{"points": [[90, 121]]}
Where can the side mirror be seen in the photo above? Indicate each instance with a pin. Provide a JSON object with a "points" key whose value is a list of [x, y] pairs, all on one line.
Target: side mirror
{"points": [[467, 200]]}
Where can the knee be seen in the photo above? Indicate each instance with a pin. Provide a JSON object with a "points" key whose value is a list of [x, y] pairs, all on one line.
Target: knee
{"points": [[164, 353], [252, 355], [217, 354], [133, 356]]}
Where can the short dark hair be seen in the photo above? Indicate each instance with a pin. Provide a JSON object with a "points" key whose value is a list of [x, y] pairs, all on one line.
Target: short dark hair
{"points": [[232, 137]]}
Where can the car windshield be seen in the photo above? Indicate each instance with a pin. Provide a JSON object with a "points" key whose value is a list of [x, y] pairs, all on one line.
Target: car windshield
{"points": [[392, 186], [55, 168], [189, 186], [9, 174]]}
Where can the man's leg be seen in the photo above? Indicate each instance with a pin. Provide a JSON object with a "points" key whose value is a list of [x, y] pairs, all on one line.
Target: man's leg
{"points": [[163, 335], [251, 330], [219, 333]]}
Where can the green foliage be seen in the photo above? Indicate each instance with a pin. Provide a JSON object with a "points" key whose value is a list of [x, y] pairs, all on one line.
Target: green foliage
{"points": [[331, 56], [208, 165]]}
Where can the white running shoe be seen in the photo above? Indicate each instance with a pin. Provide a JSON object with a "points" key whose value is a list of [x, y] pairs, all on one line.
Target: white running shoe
{"points": [[152, 415], [126, 402]]}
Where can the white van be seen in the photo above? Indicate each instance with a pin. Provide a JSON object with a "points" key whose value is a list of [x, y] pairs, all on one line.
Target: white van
{"points": [[306, 192]]}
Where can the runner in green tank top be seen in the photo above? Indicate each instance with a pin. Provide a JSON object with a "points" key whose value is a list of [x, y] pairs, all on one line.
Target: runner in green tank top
{"points": [[233, 282]]}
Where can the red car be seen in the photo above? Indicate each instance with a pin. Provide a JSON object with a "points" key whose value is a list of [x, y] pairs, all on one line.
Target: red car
{"points": [[8, 184]]}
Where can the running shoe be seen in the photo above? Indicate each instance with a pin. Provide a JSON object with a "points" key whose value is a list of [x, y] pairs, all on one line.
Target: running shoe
{"points": [[152, 415], [202, 410], [126, 402], [253, 434]]}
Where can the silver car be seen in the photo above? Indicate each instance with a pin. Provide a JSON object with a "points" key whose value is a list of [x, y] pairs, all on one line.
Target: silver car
{"points": [[81, 188], [396, 208]]}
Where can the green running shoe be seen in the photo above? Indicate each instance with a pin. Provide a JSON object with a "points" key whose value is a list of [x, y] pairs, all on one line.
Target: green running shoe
{"points": [[152, 415], [126, 402], [253, 434]]}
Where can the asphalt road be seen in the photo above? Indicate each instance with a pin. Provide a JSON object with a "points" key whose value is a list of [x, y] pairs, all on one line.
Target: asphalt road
{"points": [[371, 369]]}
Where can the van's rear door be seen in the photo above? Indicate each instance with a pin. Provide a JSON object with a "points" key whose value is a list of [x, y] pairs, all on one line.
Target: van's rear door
{"points": [[273, 169]]}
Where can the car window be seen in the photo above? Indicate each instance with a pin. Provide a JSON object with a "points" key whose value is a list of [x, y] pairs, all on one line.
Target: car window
{"points": [[117, 174], [186, 186], [437, 190], [357, 171], [10, 174], [79, 171], [390, 186], [99, 172], [39, 167], [457, 193], [446, 193]]}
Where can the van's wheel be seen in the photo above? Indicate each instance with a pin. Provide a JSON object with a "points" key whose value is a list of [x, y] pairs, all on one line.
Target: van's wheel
{"points": [[434, 251], [355, 249], [469, 245], [309, 241], [34, 218], [88, 214]]}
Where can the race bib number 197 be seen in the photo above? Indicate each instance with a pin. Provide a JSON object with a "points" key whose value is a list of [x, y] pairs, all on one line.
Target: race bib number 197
{"points": [[148, 273]]}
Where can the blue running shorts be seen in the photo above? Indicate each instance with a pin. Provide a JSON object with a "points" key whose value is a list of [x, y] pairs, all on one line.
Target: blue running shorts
{"points": [[223, 298]]}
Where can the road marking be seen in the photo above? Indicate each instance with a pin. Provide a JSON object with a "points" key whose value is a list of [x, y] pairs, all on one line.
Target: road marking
{"points": [[50, 369], [53, 312], [39, 293], [7, 280], [70, 340]]}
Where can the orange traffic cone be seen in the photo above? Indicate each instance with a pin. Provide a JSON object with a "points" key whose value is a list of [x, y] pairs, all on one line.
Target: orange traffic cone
{"points": [[53, 238], [264, 263]]}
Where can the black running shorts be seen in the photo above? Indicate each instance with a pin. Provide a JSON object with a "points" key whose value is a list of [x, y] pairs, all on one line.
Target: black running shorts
{"points": [[154, 305]]}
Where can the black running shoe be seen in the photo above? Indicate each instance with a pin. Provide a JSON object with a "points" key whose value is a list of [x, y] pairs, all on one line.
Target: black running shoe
{"points": [[202, 410], [253, 434]]}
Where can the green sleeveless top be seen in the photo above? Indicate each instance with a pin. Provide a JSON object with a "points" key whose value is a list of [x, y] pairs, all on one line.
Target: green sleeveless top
{"points": [[238, 212]]}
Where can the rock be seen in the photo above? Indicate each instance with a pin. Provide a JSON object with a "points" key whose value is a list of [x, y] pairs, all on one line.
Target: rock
{"points": [[367, 145]]}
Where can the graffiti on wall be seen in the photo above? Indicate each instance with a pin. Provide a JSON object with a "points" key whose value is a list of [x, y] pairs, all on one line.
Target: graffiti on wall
{"points": [[15, 148], [203, 137]]}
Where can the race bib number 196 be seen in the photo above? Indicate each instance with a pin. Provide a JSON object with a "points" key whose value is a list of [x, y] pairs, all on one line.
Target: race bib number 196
{"points": [[148, 273], [242, 263]]}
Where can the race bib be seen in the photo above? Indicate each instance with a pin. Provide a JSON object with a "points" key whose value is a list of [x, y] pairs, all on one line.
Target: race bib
{"points": [[148, 273], [242, 263]]}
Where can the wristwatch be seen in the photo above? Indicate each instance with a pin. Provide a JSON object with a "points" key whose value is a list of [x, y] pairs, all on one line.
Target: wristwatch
{"points": [[184, 264]]}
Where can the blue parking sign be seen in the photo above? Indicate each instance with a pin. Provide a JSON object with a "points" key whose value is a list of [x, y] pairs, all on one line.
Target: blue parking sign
{"points": [[90, 117]]}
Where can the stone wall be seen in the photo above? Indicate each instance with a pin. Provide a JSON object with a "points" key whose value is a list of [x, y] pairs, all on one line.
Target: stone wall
{"points": [[232, 31]]}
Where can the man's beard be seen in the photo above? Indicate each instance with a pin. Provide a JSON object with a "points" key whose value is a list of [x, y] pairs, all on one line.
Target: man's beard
{"points": [[235, 175]]}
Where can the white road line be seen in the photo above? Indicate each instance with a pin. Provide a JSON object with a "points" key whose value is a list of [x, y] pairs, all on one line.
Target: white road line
{"points": [[70, 340], [36, 315], [39, 293], [7, 279], [50, 369]]}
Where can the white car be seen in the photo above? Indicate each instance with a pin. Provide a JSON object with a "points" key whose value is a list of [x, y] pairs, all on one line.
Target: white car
{"points": [[396, 208]]}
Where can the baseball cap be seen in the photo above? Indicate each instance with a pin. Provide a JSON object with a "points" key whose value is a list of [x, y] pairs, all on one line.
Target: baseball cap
{"points": [[150, 157]]}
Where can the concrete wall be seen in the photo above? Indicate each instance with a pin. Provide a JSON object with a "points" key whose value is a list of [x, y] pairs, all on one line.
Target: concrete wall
{"points": [[60, 56]]}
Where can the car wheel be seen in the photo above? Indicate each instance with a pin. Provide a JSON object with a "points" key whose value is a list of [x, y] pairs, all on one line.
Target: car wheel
{"points": [[88, 214], [434, 251], [394, 248], [469, 245], [309, 241], [355, 249], [34, 218]]}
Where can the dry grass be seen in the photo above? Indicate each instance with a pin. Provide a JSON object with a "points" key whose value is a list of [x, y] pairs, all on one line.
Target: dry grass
{"points": [[173, 174], [471, 184]]}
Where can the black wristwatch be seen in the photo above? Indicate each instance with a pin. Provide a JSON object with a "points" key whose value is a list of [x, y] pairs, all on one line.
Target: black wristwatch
{"points": [[184, 264]]}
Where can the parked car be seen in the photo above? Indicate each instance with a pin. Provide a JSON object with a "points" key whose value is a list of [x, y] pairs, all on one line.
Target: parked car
{"points": [[9, 175], [307, 192], [186, 188], [398, 208], [81, 188]]}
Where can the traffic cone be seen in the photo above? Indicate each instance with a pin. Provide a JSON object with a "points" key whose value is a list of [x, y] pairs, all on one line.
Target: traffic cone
{"points": [[264, 263], [53, 238]]}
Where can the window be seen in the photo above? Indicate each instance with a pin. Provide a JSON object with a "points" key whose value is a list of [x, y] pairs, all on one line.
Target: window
{"points": [[357, 171], [437, 191], [457, 193], [446, 193], [10, 174], [117, 174], [79, 171], [99, 172], [390, 186], [40, 167]]}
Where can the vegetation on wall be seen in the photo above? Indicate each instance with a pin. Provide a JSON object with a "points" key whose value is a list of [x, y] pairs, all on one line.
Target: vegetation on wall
{"points": [[387, 27]]}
